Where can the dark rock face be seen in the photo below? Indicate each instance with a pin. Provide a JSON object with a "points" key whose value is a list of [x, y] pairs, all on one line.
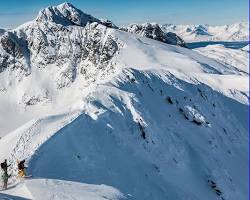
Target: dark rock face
{"points": [[174, 39], [12, 45], [15, 52], [109, 24], [155, 32], [96, 51], [4, 62], [148, 30], [73, 51]]}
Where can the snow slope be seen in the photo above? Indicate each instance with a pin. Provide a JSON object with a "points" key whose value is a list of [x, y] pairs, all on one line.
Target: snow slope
{"points": [[236, 58], [233, 32], [155, 121], [58, 189], [106, 144]]}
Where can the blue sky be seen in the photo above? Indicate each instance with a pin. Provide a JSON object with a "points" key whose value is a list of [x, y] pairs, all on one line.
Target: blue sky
{"points": [[122, 12]]}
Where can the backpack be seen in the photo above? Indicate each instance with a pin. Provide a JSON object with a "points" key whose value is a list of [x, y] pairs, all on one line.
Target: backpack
{"points": [[21, 165], [2, 165]]}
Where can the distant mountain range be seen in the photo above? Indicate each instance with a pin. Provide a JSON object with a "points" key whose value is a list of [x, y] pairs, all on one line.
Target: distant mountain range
{"points": [[233, 32]]}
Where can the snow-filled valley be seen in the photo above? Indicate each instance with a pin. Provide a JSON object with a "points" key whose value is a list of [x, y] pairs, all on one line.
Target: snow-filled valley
{"points": [[100, 112]]}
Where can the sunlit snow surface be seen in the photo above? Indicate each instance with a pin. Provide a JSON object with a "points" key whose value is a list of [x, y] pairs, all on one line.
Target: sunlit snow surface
{"points": [[161, 124]]}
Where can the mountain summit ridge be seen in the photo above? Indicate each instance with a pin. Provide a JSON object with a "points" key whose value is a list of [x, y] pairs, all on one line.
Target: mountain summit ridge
{"points": [[65, 14]]}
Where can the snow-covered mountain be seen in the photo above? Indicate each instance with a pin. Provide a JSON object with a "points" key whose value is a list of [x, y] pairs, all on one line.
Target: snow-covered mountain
{"points": [[103, 113], [154, 31], [233, 32]]}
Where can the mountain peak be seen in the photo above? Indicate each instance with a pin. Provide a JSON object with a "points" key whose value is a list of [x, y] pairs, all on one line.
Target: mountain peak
{"points": [[66, 5], [65, 14]]}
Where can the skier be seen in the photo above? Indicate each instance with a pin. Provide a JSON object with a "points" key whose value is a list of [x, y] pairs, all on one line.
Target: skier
{"points": [[21, 169], [5, 177]]}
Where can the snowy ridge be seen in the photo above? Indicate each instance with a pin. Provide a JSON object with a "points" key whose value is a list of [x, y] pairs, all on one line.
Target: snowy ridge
{"points": [[65, 14], [130, 94], [21, 142], [40, 189]]}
